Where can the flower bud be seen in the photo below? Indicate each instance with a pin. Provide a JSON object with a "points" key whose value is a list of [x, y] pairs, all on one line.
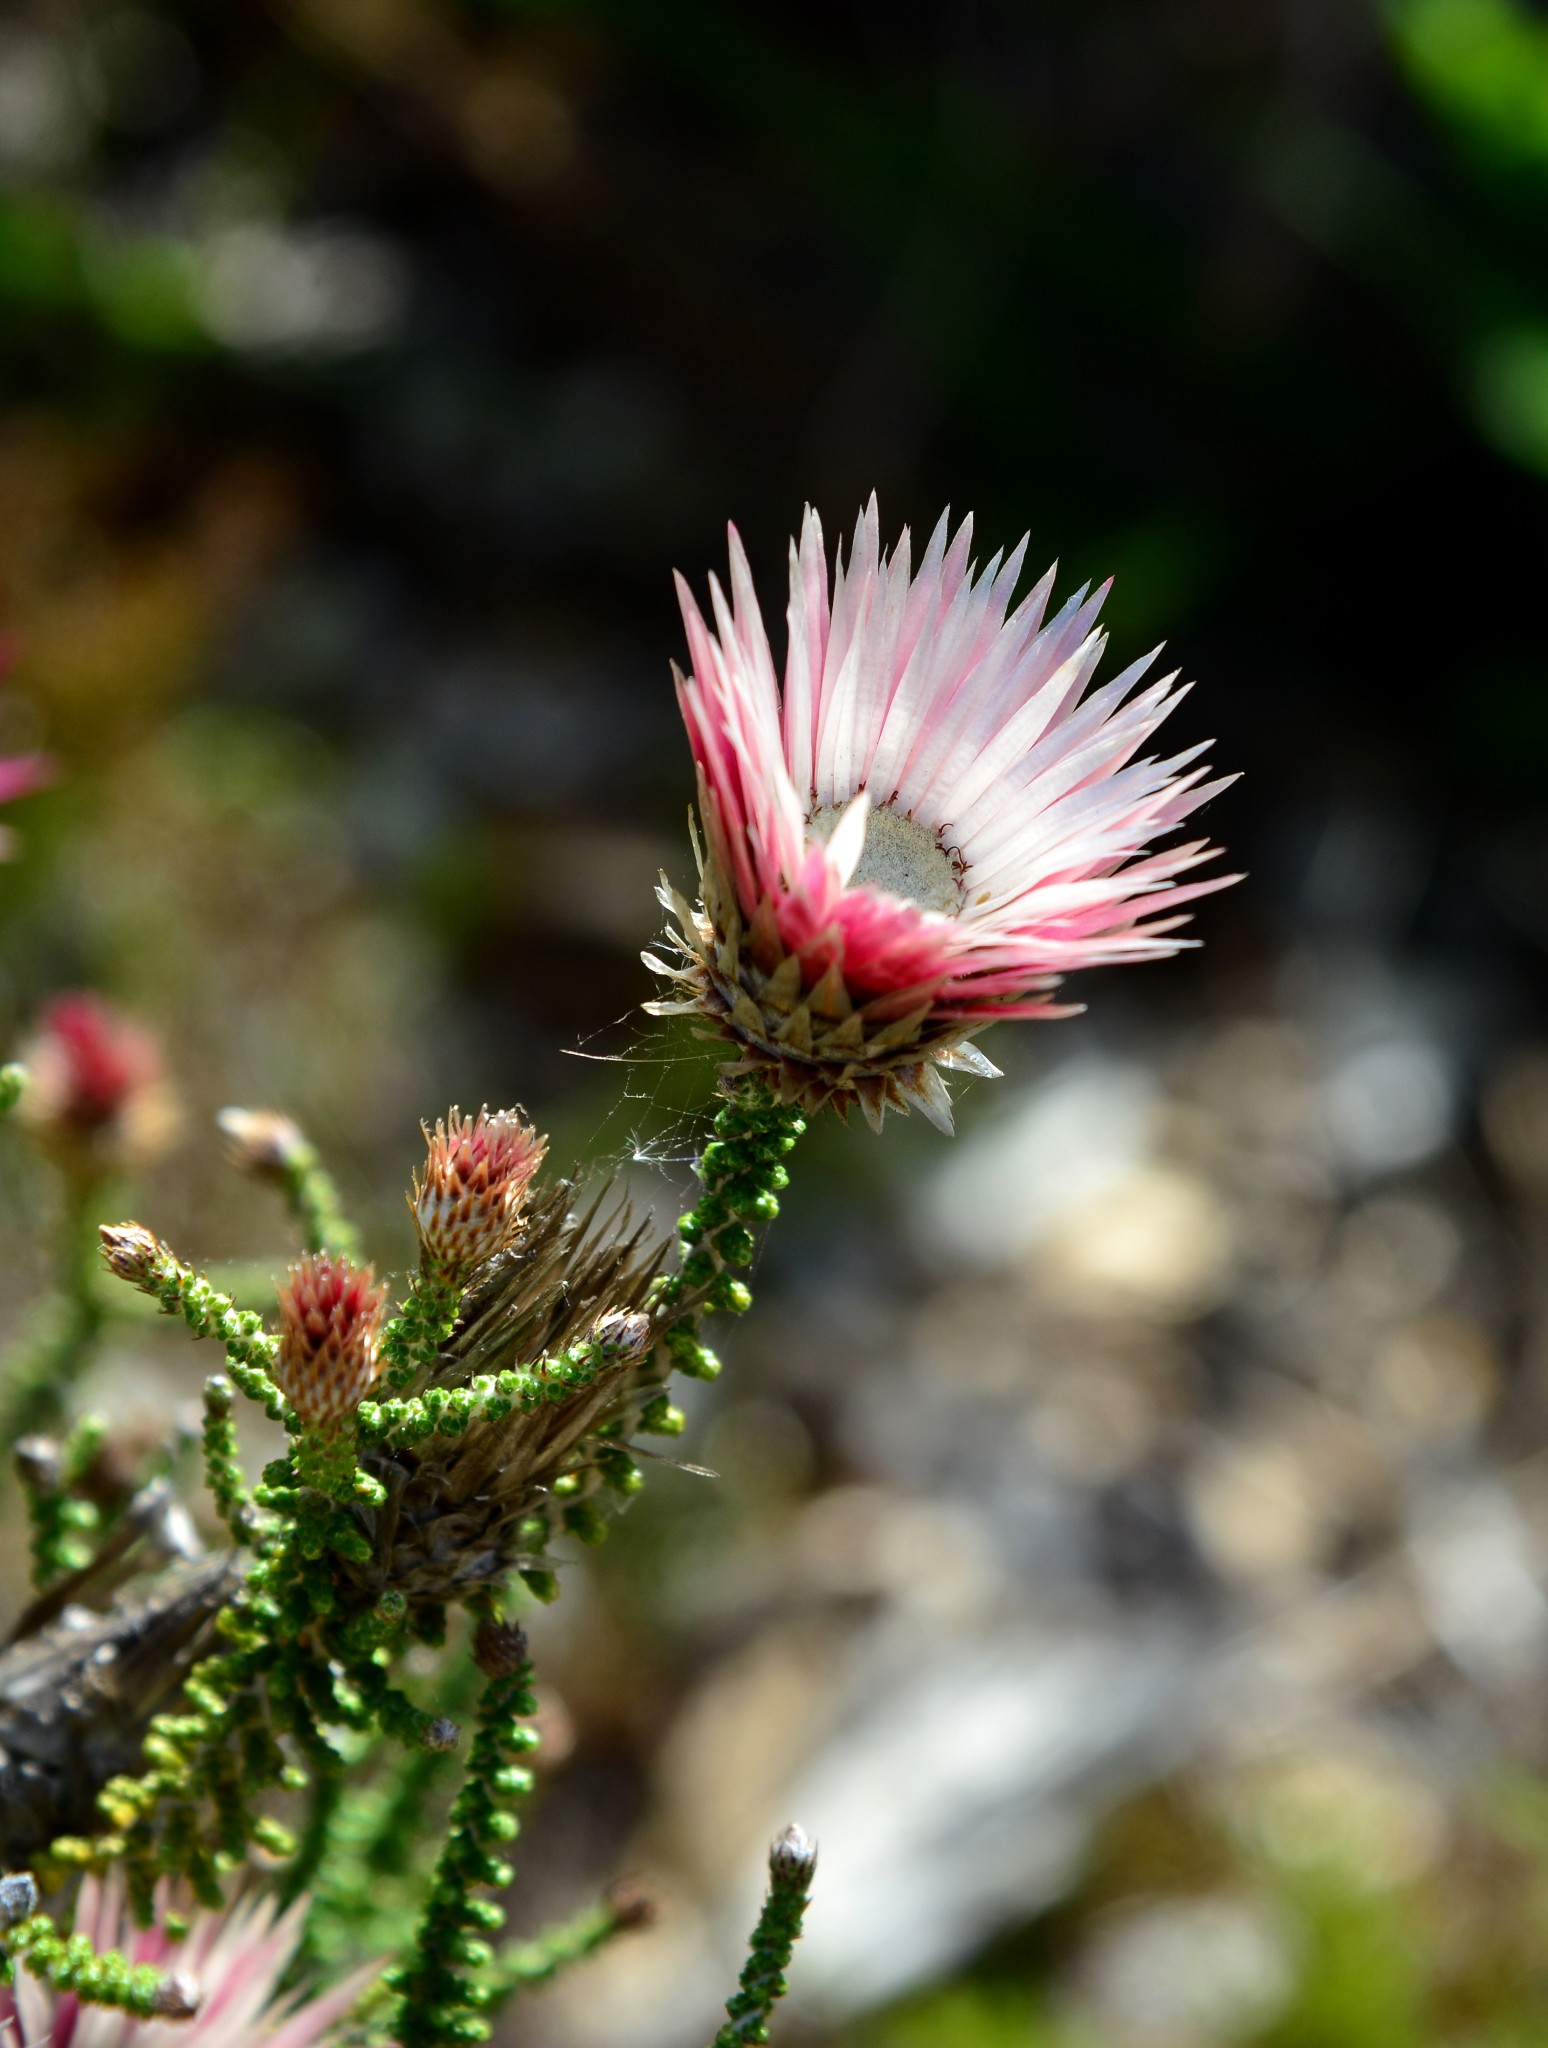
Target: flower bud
{"points": [[499, 1649], [98, 1093], [622, 1337], [132, 1252], [477, 1170], [262, 1142], [330, 1325], [177, 1997], [39, 1463], [792, 1857]]}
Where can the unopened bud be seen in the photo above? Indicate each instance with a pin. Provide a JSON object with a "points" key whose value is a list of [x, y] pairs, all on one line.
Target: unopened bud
{"points": [[18, 1899], [499, 1649], [133, 1252], [632, 1906], [39, 1463], [792, 1857], [442, 1735], [177, 1997], [622, 1337], [261, 1141], [477, 1172], [330, 1325]]}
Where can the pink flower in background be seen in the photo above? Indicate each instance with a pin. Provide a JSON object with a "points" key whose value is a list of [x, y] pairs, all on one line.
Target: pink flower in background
{"points": [[98, 1091], [928, 824], [231, 1963]]}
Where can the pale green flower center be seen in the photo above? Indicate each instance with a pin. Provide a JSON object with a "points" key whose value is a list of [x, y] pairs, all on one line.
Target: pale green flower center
{"points": [[900, 856]]}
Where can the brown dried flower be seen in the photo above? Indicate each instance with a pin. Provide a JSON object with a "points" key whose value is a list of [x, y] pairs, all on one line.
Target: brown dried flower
{"points": [[499, 1649]]}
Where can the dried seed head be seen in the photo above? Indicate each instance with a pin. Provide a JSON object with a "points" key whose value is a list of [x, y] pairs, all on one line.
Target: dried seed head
{"points": [[792, 1857], [98, 1093], [133, 1252], [330, 1324], [261, 1141], [499, 1649], [622, 1337], [477, 1170], [177, 1997]]}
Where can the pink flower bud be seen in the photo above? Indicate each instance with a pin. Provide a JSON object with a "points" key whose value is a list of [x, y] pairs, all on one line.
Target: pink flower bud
{"points": [[477, 1170], [330, 1325]]}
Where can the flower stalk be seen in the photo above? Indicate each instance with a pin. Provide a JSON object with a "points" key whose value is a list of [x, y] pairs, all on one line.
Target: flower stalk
{"points": [[441, 1998], [792, 1866]]}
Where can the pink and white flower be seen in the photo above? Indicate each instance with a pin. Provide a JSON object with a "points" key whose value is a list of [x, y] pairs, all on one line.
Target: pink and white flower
{"points": [[928, 825], [228, 1967]]}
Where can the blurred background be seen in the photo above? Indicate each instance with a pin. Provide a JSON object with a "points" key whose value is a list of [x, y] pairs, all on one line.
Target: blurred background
{"points": [[1129, 1546]]}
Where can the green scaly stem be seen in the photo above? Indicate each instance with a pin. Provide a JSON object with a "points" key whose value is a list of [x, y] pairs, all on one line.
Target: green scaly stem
{"points": [[440, 2002], [792, 1864], [69, 1963], [742, 1171], [57, 1518], [250, 1350], [222, 1467], [412, 1341], [313, 1200], [450, 1411], [525, 1964]]}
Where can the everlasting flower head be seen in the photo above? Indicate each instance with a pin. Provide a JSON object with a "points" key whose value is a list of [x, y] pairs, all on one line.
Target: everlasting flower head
{"points": [[98, 1090], [223, 1983], [477, 1170], [926, 827], [330, 1326]]}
